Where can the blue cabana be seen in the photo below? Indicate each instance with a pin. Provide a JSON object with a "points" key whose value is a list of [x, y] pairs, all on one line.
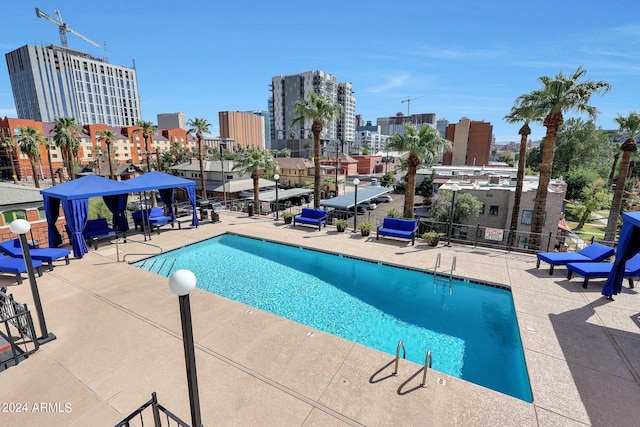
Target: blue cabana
{"points": [[166, 184], [628, 246], [74, 197]]}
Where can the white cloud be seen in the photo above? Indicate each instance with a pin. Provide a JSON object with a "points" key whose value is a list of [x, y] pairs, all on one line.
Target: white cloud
{"points": [[391, 83]]}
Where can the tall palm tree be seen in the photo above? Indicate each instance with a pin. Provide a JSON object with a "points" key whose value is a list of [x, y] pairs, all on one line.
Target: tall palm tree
{"points": [[319, 109], [107, 137], [67, 140], [148, 130], [10, 146], [29, 142], [557, 96], [629, 125], [423, 147], [200, 127], [255, 162], [524, 133]]}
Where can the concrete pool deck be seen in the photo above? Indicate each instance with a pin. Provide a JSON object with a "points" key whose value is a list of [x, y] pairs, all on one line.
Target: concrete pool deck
{"points": [[119, 339]]}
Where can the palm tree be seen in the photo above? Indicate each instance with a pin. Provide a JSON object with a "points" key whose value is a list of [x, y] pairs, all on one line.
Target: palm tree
{"points": [[66, 139], [557, 96], [629, 125], [147, 129], [524, 133], [107, 137], [424, 146], [10, 146], [319, 109], [255, 162], [200, 127], [29, 142]]}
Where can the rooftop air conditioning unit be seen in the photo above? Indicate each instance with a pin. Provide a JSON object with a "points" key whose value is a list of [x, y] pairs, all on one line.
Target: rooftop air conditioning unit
{"points": [[494, 180]]}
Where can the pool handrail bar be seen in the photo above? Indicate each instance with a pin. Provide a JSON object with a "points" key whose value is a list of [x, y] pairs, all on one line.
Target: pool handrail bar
{"points": [[427, 365], [453, 267], [404, 355]]}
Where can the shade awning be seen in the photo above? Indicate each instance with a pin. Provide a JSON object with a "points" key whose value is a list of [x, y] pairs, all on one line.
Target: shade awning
{"points": [[347, 201], [237, 185], [270, 196]]}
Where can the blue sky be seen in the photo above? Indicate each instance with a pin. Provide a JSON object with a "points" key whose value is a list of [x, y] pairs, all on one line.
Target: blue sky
{"points": [[457, 58]]}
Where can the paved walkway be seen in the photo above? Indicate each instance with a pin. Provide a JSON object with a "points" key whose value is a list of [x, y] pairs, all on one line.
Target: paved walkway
{"points": [[119, 339]]}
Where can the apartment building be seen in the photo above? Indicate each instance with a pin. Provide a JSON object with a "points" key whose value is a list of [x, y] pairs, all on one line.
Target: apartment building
{"points": [[471, 143], [172, 121], [395, 124], [54, 81], [247, 129]]}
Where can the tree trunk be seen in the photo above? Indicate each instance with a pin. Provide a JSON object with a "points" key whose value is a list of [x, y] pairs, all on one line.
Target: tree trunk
{"points": [[34, 170], [583, 219], [316, 128], [109, 160], [628, 147], [146, 150], [53, 178], [525, 131], [256, 191], [613, 169], [201, 156], [410, 187], [552, 122]]}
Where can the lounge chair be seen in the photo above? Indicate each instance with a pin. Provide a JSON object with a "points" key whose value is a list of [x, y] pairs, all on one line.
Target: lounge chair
{"points": [[602, 270], [595, 252], [17, 266], [48, 255]]}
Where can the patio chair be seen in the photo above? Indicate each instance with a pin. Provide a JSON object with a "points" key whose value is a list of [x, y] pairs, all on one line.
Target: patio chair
{"points": [[17, 266], [595, 252], [48, 255], [602, 270]]}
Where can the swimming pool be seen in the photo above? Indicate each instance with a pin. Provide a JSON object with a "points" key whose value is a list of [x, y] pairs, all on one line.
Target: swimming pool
{"points": [[470, 328]]}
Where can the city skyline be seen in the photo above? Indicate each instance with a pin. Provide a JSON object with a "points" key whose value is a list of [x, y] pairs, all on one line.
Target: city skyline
{"points": [[455, 60]]}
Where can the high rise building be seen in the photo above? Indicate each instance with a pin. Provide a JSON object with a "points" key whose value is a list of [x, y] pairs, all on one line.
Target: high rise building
{"points": [[53, 81], [172, 121], [395, 124], [471, 143], [441, 125], [267, 125], [247, 129], [287, 90]]}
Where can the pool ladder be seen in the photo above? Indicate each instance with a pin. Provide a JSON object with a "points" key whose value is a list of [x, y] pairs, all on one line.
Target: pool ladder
{"points": [[453, 267], [427, 362]]}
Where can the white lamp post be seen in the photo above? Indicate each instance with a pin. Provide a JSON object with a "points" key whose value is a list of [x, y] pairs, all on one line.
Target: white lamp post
{"points": [[454, 188], [181, 283], [21, 227], [356, 182], [277, 178]]}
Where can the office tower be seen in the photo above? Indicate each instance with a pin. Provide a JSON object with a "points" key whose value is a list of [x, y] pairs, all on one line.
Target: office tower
{"points": [[267, 125], [172, 121], [287, 90], [247, 129], [471, 143], [53, 81]]}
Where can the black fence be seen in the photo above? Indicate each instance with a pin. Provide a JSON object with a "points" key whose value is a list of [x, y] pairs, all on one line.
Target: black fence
{"points": [[18, 336], [156, 412]]}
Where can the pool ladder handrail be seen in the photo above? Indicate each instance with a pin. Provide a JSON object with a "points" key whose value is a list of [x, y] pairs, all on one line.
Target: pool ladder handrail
{"points": [[404, 355], [435, 269], [453, 267], [427, 365]]}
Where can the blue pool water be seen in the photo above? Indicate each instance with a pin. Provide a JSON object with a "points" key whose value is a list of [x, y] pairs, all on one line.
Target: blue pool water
{"points": [[471, 330]]}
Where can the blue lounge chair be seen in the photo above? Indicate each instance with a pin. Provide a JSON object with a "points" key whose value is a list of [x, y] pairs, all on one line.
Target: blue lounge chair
{"points": [[17, 266], [48, 255], [595, 252], [602, 270]]}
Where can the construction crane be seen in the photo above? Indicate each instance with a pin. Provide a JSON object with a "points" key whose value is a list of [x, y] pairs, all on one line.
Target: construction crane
{"points": [[408, 101], [63, 27]]}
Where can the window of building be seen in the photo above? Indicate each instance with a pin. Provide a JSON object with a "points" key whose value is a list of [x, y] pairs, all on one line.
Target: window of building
{"points": [[527, 216], [10, 216], [482, 209], [493, 210]]}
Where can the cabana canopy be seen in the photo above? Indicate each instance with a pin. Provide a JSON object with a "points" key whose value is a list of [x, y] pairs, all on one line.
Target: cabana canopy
{"points": [[74, 196], [628, 246]]}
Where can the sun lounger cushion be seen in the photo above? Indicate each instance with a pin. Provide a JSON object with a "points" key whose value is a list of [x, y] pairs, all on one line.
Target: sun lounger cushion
{"points": [[17, 266], [602, 269], [48, 255], [595, 252]]}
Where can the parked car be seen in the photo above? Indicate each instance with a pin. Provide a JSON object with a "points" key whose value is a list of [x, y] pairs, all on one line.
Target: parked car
{"points": [[368, 205], [383, 198]]}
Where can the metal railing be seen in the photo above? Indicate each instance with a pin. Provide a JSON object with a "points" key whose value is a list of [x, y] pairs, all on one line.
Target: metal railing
{"points": [[158, 412], [17, 329]]}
